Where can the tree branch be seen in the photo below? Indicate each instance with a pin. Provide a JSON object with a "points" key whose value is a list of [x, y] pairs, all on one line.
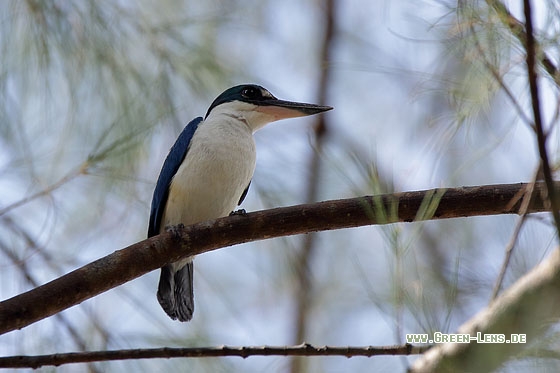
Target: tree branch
{"points": [[528, 307], [148, 255], [535, 101], [304, 289], [511, 244], [517, 28], [304, 349]]}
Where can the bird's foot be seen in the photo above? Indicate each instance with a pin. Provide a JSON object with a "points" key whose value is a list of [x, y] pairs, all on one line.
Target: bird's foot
{"points": [[241, 212], [175, 230]]}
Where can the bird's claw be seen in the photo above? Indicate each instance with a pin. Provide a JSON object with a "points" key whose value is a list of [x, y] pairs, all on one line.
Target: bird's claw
{"points": [[175, 229], [241, 212]]}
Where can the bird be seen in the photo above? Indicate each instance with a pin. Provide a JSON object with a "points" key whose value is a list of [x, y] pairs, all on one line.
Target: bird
{"points": [[207, 174]]}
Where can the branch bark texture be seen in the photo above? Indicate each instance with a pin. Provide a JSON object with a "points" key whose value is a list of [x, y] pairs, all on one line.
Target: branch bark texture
{"points": [[304, 349], [145, 256]]}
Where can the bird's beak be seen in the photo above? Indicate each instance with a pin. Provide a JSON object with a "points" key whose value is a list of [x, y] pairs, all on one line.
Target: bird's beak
{"points": [[280, 109]]}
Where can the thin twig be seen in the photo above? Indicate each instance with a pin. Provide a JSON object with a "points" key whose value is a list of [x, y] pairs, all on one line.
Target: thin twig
{"points": [[48, 260], [81, 170], [62, 319], [33, 282], [528, 309], [518, 30], [304, 290], [305, 349], [541, 136], [527, 195], [498, 77]]}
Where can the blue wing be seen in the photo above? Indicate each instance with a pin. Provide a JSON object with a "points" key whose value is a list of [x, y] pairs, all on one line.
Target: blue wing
{"points": [[244, 194], [170, 166]]}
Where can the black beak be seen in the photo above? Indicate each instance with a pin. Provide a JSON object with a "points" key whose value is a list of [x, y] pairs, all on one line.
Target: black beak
{"points": [[306, 109], [281, 109]]}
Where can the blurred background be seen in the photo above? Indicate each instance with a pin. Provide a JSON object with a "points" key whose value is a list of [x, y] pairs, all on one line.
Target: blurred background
{"points": [[426, 94]]}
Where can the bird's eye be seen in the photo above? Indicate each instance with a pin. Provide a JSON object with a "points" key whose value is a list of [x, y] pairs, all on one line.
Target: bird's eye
{"points": [[250, 93]]}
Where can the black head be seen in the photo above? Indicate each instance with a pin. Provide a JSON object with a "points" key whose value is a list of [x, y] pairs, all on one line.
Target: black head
{"points": [[259, 96]]}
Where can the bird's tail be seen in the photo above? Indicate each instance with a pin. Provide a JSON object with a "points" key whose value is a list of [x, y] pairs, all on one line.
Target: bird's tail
{"points": [[175, 291]]}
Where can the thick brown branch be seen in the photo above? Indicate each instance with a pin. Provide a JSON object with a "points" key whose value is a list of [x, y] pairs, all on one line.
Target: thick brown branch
{"points": [[145, 256], [244, 352]]}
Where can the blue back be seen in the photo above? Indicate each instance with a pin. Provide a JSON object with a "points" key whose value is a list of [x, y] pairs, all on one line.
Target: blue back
{"points": [[170, 166]]}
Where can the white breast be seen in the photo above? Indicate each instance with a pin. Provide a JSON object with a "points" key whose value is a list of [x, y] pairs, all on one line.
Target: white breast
{"points": [[218, 167]]}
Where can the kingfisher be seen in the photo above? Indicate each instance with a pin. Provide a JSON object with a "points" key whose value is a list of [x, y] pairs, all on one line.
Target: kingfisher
{"points": [[207, 174]]}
